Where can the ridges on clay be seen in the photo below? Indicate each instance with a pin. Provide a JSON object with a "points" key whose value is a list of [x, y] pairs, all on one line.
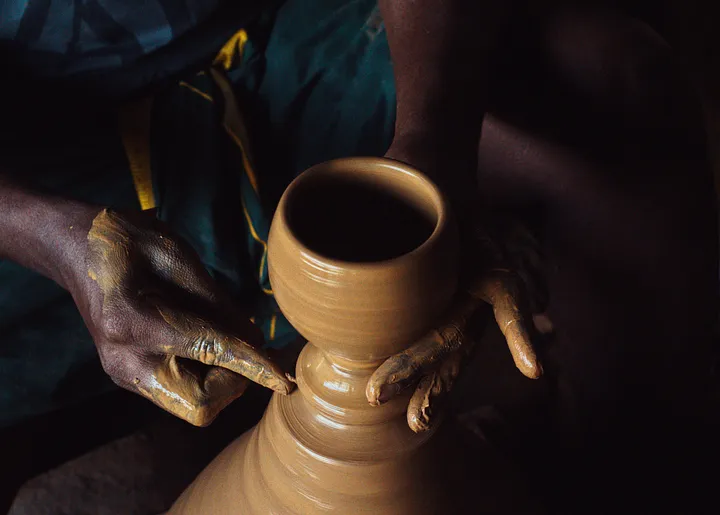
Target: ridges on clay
{"points": [[325, 447]]}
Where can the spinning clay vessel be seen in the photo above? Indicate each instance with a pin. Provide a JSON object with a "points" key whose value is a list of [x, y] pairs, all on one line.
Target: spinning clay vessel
{"points": [[362, 261]]}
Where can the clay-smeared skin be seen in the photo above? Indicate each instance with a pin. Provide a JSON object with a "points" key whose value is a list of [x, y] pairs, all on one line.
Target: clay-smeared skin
{"points": [[500, 289], [441, 51], [161, 314], [435, 361], [324, 448]]}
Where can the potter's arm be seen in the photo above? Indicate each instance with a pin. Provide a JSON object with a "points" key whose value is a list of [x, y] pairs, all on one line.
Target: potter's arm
{"points": [[148, 302], [440, 51], [432, 364], [42, 232]]}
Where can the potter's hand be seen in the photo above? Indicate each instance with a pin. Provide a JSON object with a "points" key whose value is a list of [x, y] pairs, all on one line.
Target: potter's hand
{"points": [[161, 326], [434, 362]]}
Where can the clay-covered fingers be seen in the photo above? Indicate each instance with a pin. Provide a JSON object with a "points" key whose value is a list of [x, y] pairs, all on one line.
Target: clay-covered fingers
{"points": [[190, 391], [501, 289], [431, 392], [163, 327], [210, 339], [407, 367], [192, 337], [169, 329]]}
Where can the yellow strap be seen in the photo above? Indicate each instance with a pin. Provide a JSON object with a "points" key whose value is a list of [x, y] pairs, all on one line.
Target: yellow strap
{"points": [[232, 50], [232, 118], [134, 120], [257, 238], [235, 125], [135, 117], [197, 91], [273, 322]]}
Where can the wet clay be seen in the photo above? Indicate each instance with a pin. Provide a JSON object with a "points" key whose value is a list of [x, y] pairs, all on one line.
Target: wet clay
{"points": [[154, 290], [500, 288], [324, 448], [437, 357]]}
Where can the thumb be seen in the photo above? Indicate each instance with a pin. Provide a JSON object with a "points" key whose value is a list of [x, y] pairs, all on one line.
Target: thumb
{"points": [[194, 394]]}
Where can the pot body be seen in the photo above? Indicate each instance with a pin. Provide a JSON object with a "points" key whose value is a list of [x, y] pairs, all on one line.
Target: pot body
{"points": [[360, 287]]}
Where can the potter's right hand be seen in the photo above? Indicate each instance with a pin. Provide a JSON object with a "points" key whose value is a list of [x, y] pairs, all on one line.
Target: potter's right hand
{"points": [[162, 327], [433, 363]]}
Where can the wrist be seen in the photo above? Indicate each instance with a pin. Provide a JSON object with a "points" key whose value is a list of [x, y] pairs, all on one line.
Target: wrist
{"points": [[451, 164], [437, 141], [69, 226], [44, 233]]}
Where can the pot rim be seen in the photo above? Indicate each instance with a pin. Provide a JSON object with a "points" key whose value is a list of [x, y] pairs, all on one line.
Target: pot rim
{"points": [[360, 165]]}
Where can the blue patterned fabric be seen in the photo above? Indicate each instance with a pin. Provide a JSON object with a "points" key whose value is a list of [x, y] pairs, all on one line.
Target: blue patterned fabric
{"points": [[314, 83], [115, 47]]}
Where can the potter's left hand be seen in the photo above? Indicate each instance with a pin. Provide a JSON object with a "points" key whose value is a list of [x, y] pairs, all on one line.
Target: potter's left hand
{"points": [[434, 362]]}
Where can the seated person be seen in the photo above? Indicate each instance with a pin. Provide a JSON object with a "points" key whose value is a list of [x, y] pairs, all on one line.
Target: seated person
{"points": [[579, 121]]}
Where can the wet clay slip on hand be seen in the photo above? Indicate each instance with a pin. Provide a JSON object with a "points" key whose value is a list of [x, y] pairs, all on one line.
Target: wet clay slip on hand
{"points": [[362, 260]]}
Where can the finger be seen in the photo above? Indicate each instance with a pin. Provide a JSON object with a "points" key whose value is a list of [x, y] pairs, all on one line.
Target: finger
{"points": [[194, 394], [214, 347], [502, 292], [405, 368], [188, 336], [430, 393]]}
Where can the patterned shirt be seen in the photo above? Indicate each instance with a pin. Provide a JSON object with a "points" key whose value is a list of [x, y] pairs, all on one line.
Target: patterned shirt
{"points": [[115, 46]]}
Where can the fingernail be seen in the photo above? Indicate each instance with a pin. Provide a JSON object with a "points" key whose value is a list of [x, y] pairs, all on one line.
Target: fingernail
{"points": [[419, 421], [534, 371], [371, 394], [290, 386], [387, 392], [282, 386], [287, 388]]}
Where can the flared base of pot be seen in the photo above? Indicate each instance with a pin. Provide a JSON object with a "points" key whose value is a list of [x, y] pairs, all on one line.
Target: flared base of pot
{"points": [[323, 449], [256, 475], [451, 474]]}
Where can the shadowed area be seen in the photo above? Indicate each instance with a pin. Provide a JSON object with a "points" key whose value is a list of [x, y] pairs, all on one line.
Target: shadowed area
{"points": [[356, 221]]}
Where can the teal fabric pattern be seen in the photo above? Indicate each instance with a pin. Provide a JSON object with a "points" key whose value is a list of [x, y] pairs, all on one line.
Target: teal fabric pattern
{"points": [[314, 83], [47, 359], [114, 48]]}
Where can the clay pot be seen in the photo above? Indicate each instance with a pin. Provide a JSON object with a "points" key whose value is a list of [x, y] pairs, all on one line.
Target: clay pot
{"points": [[362, 260]]}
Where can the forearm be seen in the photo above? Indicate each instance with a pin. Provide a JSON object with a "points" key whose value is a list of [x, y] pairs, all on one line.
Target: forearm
{"points": [[441, 51], [42, 232]]}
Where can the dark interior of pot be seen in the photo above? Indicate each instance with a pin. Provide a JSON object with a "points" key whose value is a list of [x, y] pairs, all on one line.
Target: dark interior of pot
{"points": [[359, 218]]}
